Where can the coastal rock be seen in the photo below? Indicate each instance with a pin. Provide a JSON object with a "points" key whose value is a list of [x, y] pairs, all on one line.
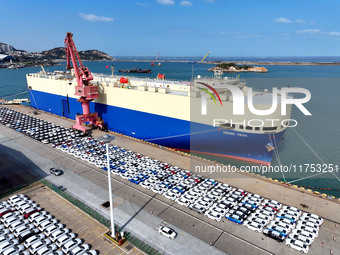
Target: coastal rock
{"points": [[59, 53], [14, 59], [232, 67]]}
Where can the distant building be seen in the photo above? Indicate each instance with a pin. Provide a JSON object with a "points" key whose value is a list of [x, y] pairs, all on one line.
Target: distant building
{"points": [[6, 48], [4, 57]]}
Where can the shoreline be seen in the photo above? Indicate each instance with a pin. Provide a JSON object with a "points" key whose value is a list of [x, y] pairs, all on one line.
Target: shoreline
{"points": [[268, 63], [252, 63], [290, 63]]}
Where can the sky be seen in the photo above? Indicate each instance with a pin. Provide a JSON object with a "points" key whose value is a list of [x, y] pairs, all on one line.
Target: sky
{"points": [[176, 27]]}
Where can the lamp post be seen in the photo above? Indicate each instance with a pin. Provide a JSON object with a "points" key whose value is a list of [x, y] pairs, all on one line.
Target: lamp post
{"points": [[107, 139]]}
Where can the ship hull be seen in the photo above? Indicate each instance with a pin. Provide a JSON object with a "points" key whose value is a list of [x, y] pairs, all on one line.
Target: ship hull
{"points": [[166, 131]]}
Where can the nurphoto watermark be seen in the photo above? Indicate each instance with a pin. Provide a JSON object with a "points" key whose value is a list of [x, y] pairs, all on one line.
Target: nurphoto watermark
{"points": [[242, 98], [263, 169]]}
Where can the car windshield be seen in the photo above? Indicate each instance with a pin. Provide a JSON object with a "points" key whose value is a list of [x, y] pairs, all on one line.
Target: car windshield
{"points": [[63, 238]]}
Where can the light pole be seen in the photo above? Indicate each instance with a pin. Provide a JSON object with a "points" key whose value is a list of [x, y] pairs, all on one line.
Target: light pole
{"points": [[107, 139]]}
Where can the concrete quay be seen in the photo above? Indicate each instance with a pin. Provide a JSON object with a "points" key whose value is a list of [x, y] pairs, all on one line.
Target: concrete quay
{"points": [[141, 211]]}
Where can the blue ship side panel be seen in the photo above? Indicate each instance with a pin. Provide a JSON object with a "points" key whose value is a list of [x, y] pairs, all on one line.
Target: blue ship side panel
{"points": [[166, 131], [137, 124]]}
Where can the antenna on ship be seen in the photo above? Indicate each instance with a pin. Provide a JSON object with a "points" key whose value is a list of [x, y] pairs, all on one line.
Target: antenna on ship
{"points": [[43, 69], [192, 71]]}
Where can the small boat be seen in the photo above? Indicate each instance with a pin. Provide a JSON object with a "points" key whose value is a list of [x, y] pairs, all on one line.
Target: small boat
{"points": [[135, 70]]}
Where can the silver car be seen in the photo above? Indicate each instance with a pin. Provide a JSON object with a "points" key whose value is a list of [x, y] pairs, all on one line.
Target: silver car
{"points": [[64, 239], [33, 239], [38, 245], [80, 250], [7, 244], [14, 250], [70, 245], [60, 232]]}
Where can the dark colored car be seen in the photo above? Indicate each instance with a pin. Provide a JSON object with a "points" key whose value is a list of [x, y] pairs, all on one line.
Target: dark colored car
{"points": [[249, 207], [243, 209], [27, 234], [56, 171], [239, 213], [274, 234]]}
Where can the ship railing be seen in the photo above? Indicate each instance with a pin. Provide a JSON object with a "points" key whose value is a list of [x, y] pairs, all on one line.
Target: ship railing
{"points": [[225, 78], [270, 92], [137, 78]]}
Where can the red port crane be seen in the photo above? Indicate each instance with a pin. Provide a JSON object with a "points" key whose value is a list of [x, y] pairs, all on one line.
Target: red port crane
{"points": [[84, 89]]}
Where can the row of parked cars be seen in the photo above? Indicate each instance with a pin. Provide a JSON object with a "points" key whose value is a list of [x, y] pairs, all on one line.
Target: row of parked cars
{"points": [[38, 129], [206, 196], [26, 228], [299, 229]]}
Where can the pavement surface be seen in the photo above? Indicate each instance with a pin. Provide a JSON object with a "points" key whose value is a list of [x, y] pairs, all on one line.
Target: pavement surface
{"points": [[141, 212], [87, 229]]}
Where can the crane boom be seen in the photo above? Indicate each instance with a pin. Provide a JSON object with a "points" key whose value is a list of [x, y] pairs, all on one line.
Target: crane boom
{"points": [[205, 57], [84, 89], [83, 74], [153, 62]]}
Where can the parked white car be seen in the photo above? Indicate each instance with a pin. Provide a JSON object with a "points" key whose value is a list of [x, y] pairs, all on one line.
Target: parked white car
{"points": [[33, 239], [60, 232], [313, 216], [293, 209], [16, 249], [80, 250], [255, 226], [214, 215], [38, 245], [70, 245], [64, 239], [297, 245]]}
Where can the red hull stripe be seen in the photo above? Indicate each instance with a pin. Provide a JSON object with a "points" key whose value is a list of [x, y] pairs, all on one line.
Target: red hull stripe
{"points": [[260, 162]]}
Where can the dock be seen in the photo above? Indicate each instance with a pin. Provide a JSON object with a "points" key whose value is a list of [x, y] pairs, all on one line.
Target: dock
{"points": [[141, 211]]}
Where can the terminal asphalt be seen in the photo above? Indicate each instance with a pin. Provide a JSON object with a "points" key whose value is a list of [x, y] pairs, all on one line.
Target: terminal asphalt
{"points": [[141, 212]]}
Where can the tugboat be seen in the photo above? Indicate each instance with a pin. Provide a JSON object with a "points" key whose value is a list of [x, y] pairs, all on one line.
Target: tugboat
{"points": [[135, 70]]}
